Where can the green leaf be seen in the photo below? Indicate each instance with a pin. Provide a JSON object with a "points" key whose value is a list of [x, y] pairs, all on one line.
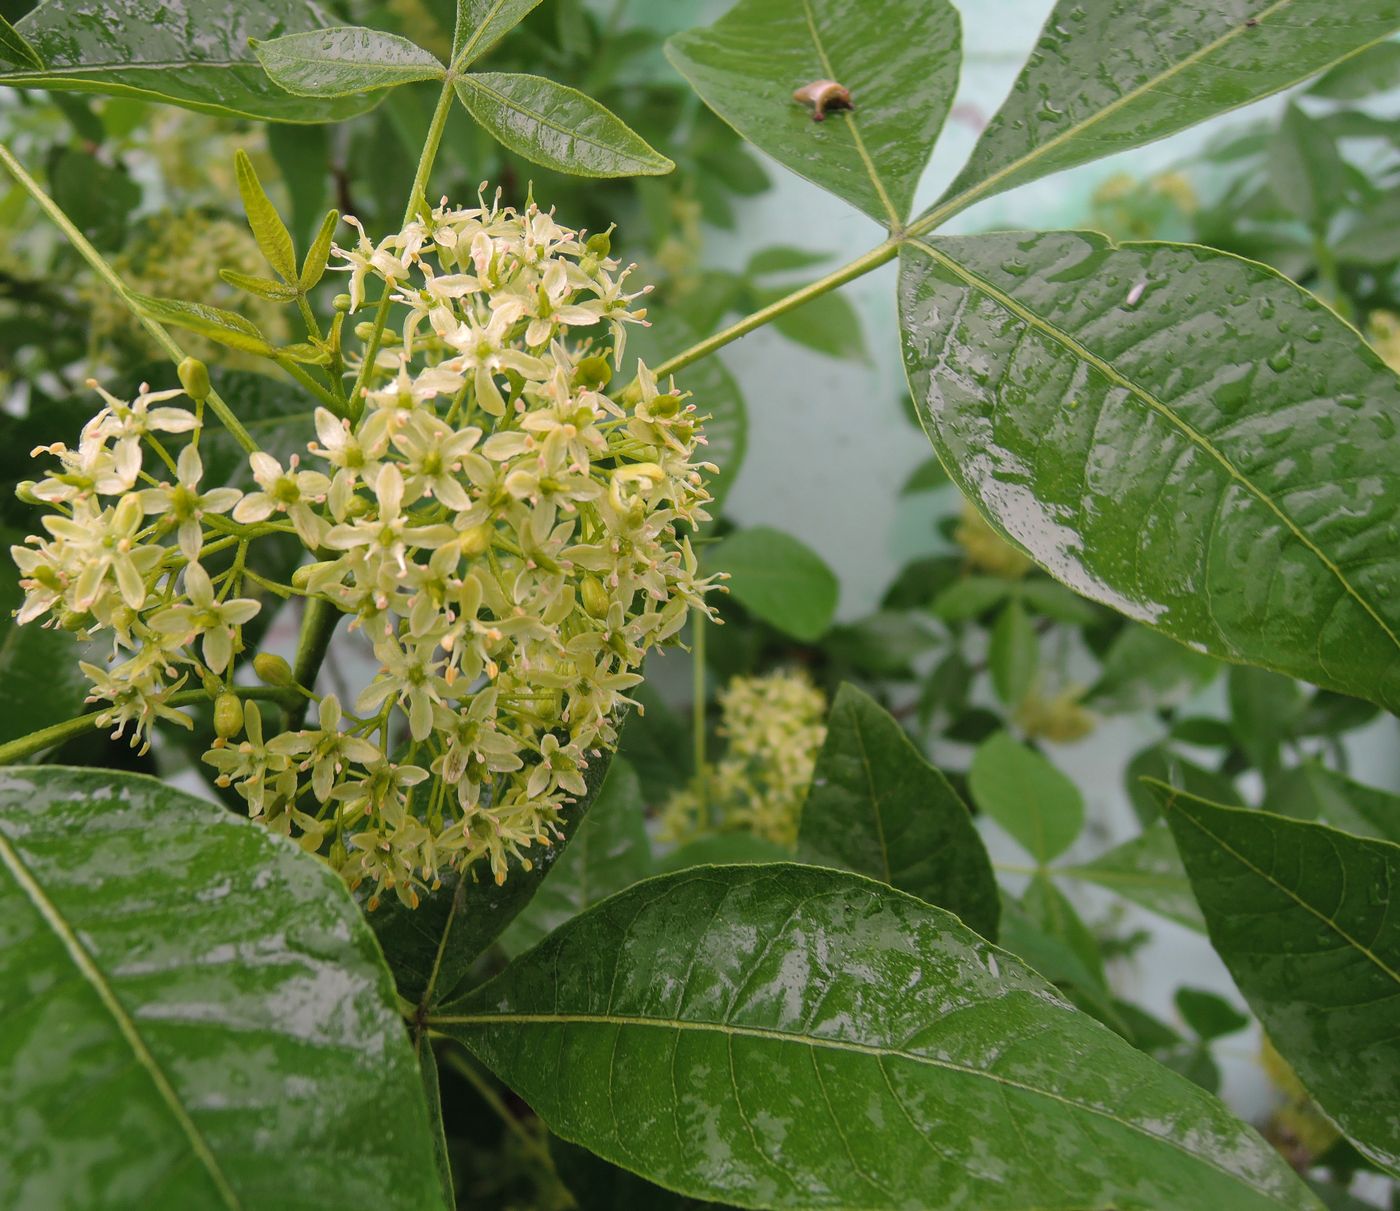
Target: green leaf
{"points": [[1014, 653], [609, 851], [1263, 710], [1052, 599], [901, 68], [274, 240], [723, 849], [482, 23], [1343, 803], [778, 579], [1238, 498], [927, 476], [1161, 763], [1144, 670], [1303, 917], [1374, 70], [828, 323], [557, 126], [1027, 796], [15, 47], [345, 61], [264, 288], [195, 54], [878, 808], [226, 327], [318, 256], [786, 1036], [1307, 170], [430, 949], [194, 1013], [1210, 1016], [1107, 75], [1050, 911], [1146, 870], [970, 597]]}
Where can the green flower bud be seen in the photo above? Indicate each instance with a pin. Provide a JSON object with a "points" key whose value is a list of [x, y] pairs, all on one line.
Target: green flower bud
{"points": [[25, 492], [194, 378], [228, 715], [595, 597], [593, 372], [302, 576], [273, 669], [665, 406], [600, 243], [341, 302]]}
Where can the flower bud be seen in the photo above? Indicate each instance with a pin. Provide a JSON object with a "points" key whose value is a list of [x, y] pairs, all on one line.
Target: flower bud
{"points": [[194, 378], [341, 302], [593, 372], [273, 669], [665, 406], [25, 491], [213, 686], [600, 243], [595, 597], [228, 715], [302, 576]]}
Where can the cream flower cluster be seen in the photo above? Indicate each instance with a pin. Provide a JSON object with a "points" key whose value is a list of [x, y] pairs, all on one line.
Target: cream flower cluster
{"points": [[510, 538], [774, 727]]}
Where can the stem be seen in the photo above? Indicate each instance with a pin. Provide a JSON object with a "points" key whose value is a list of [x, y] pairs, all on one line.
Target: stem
{"points": [[337, 406], [317, 626], [47, 737], [697, 722], [532, 1144], [419, 188], [862, 265], [109, 275]]}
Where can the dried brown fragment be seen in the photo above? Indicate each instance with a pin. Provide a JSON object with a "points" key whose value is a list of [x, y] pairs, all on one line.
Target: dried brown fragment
{"points": [[824, 96]]}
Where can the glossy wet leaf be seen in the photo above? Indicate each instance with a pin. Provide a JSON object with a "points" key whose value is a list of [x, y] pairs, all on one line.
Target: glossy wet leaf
{"points": [[1304, 917], [1107, 75], [786, 1036], [1026, 795], [1146, 870], [194, 1014], [431, 948], [558, 126], [878, 808], [608, 852], [1177, 433], [778, 579], [15, 47], [900, 65], [481, 24], [345, 60], [195, 54]]}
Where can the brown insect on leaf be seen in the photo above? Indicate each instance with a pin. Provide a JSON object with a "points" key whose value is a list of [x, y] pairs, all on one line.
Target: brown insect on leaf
{"points": [[824, 96]]}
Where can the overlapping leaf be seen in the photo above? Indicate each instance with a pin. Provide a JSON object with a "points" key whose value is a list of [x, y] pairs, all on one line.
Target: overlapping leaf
{"points": [[1305, 918], [195, 54], [344, 61], [776, 1036], [1107, 75], [877, 807], [193, 1013], [899, 61], [1180, 434]]}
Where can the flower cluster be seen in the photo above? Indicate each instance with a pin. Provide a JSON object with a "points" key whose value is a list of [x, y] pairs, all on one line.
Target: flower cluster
{"points": [[773, 726], [510, 539], [986, 550]]}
